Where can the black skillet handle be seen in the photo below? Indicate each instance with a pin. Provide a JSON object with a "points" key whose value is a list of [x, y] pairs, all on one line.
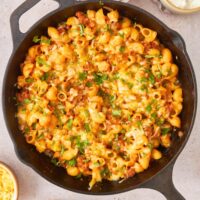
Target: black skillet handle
{"points": [[163, 183], [17, 35]]}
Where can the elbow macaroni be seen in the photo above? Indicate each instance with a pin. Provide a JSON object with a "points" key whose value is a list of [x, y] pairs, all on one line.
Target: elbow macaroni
{"points": [[99, 96]]}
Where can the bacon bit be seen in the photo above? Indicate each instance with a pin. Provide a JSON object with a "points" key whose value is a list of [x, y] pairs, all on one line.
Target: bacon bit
{"points": [[130, 172], [61, 29], [49, 136], [116, 25], [154, 45], [83, 166], [148, 131], [51, 108], [91, 24], [81, 17], [22, 95]]}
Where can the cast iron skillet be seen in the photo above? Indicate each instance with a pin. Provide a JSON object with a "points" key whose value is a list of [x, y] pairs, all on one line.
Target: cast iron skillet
{"points": [[159, 175]]}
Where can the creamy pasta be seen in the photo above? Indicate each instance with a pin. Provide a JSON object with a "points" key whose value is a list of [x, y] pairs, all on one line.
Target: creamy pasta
{"points": [[99, 95]]}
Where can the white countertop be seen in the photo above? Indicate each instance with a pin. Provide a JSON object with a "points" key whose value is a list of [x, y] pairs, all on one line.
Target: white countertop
{"points": [[186, 174]]}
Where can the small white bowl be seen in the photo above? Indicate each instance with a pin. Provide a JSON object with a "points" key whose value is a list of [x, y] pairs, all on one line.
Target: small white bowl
{"points": [[168, 4], [13, 177]]}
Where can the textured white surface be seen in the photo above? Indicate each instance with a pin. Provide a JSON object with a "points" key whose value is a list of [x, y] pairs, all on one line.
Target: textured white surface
{"points": [[186, 173]]}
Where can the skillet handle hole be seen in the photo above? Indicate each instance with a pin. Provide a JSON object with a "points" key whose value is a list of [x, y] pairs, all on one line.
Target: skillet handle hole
{"points": [[35, 13]]}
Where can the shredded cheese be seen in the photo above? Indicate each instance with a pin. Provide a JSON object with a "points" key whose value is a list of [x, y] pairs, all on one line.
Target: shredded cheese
{"points": [[6, 185]]}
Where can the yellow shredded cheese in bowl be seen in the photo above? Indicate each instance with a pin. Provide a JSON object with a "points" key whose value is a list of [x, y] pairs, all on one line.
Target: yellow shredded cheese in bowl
{"points": [[8, 184]]}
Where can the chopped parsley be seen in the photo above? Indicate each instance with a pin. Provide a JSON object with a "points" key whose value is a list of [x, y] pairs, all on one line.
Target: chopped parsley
{"points": [[41, 61], [41, 136], [116, 112], [150, 145], [29, 80], [153, 115], [69, 124], [165, 131], [122, 49], [81, 144], [116, 76], [55, 162], [26, 101], [121, 35], [36, 39], [62, 149], [78, 176], [89, 84], [97, 164], [45, 76], [26, 130], [82, 28], [153, 56], [87, 127], [108, 28], [148, 108], [105, 172], [82, 76], [46, 41], [139, 124], [151, 78], [99, 78], [72, 162]]}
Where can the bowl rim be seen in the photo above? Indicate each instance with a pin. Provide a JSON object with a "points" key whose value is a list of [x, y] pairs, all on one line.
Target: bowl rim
{"points": [[177, 9]]}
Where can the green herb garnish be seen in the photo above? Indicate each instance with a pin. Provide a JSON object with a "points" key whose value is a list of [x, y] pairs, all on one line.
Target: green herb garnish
{"points": [[105, 172], [82, 76], [153, 115], [121, 35], [41, 136], [116, 76], [78, 176], [151, 78], [89, 84], [62, 149], [29, 80], [41, 61], [116, 112], [139, 124], [153, 56], [26, 130], [81, 144], [55, 162], [165, 131], [82, 28], [69, 124], [150, 145], [148, 108], [45, 76], [122, 49], [72, 162], [87, 127], [26, 101], [36, 39], [46, 41], [99, 78]]}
